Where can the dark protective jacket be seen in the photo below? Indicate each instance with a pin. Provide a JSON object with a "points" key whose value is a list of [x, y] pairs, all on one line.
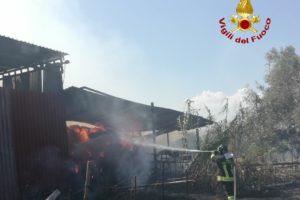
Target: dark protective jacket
{"points": [[225, 166]]}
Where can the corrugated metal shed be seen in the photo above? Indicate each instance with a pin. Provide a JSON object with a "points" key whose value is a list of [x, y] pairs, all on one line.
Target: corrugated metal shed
{"points": [[15, 53], [38, 121], [86, 105], [33, 126], [8, 185]]}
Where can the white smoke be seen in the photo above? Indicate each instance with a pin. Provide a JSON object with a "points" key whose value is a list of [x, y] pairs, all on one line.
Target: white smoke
{"points": [[216, 101], [99, 57]]}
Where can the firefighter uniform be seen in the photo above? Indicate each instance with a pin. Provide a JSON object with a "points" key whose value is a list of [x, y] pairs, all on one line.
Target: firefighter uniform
{"points": [[225, 176]]}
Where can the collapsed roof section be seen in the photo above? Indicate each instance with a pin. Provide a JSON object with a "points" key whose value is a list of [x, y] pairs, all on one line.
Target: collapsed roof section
{"points": [[87, 105]]}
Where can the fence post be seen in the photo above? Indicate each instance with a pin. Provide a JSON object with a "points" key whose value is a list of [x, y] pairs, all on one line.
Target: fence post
{"points": [[163, 180], [134, 188], [153, 121], [87, 184], [187, 184]]}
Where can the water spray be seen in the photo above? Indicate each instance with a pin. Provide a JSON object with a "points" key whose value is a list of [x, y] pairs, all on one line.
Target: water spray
{"points": [[157, 146]]}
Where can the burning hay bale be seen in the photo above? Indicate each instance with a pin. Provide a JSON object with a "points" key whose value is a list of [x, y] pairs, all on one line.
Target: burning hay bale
{"points": [[115, 159]]}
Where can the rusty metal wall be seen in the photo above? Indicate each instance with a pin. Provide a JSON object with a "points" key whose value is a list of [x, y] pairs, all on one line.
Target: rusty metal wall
{"points": [[8, 184], [40, 138], [37, 138]]}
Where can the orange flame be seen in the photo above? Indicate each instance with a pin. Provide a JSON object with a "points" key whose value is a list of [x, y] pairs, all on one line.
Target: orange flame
{"points": [[83, 134]]}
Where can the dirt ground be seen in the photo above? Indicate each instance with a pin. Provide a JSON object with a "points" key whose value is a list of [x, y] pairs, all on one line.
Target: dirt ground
{"points": [[285, 194]]}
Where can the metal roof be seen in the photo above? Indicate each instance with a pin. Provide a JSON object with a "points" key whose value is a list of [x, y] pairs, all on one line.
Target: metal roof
{"points": [[15, 54], [87, 105]]}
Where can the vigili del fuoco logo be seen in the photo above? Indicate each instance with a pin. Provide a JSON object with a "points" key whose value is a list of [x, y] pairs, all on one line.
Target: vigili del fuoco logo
{"points": [[244, 21]]}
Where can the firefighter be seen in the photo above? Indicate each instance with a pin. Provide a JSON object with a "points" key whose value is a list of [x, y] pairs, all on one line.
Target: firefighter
{"points": [[224, 161]]}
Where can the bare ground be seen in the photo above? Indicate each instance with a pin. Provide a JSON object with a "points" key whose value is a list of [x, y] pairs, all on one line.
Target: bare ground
{"points": [[292, 193]]}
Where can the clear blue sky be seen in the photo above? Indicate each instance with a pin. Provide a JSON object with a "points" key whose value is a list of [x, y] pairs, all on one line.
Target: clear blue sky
{"points": [[164, 51]]}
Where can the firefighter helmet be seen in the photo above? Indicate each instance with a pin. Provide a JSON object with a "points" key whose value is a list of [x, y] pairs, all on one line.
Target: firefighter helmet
{"points": [[222, 149]]}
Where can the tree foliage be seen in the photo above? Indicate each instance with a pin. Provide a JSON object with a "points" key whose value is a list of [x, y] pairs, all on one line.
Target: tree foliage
{"points": [[270, 123], [267, 130]]}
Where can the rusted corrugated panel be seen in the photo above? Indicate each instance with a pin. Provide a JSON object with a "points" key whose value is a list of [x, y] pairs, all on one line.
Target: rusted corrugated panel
{"points": [[8, 182], [40, 139]]}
